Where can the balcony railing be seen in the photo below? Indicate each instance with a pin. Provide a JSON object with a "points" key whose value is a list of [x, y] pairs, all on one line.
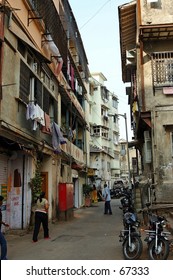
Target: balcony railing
{"points": [[73, 151]]}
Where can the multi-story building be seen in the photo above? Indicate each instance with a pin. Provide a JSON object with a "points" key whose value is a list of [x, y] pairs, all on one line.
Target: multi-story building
{"points": [[134, 164], [104, 132], [43, 82], [146, 38]]}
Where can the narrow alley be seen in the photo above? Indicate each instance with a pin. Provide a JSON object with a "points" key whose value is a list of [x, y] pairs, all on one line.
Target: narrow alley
{"points": [[91, 235]]}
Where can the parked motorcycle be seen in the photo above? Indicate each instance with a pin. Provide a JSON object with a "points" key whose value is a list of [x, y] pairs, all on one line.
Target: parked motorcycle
{"points": [[157, 238], [131, 237], [126, 202], [117, 192]]}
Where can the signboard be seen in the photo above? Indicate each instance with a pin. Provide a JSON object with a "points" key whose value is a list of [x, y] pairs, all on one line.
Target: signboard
{"points": [[91, 172], [167, 90]]}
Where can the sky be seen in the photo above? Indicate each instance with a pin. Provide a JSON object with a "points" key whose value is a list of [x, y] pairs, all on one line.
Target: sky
{"points": [[98, 24]]}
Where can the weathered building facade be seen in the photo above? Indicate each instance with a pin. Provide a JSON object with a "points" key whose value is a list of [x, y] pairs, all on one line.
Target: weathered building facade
{"points": [[43, 88], [146, 37]]}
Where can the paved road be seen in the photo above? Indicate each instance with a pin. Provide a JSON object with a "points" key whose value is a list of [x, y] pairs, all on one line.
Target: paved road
{"points": [[91, 235]]}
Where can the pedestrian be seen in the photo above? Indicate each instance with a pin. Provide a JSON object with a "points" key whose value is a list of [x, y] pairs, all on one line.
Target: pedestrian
{"points": [[2, 238], [41, 217], [94, 194], [107, 198]]}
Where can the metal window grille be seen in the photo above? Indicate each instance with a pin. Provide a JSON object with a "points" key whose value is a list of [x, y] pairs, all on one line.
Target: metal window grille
{"points": [[162, 66]]}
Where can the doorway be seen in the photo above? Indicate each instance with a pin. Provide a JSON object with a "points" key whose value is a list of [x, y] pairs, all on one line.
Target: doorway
{"points": [[44, 187]]}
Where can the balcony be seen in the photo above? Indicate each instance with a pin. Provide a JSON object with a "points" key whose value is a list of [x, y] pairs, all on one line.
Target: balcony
{"points": [[71, 150]]}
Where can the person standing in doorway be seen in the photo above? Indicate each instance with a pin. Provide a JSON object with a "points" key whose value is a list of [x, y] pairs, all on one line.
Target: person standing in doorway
{"points": [[2, 238], [41, 217], [107, 197]]}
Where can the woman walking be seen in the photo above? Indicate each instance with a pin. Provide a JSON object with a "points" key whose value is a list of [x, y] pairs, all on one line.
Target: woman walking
{"points": [[41, 217]]}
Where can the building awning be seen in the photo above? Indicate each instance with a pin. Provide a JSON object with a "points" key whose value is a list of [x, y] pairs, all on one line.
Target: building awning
{"points": [[19, 33], [133, 143], [152, 32], [146, 117], [144, 123], [95, 149], [127, 27], [77, 165]]}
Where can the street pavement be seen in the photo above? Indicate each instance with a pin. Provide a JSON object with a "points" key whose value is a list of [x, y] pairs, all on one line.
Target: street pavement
{"points": [[90, 235]]}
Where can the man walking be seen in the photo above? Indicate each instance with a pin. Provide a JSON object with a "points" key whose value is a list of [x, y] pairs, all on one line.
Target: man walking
{"points": [[107, 197]]}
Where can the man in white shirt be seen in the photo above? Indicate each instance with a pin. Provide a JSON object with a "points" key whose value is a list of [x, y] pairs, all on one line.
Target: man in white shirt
{"points": [[107, 197]]}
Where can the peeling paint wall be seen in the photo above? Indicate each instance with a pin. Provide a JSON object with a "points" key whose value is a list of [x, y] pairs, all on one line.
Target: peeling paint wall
{"points": [[157, 13]]}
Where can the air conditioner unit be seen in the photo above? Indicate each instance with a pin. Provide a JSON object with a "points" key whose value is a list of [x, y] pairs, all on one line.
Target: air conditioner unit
{"points": [[146, 135]]}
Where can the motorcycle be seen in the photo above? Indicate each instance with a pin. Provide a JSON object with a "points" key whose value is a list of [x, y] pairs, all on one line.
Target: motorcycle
{"points": [[131, 237], [126, 202], [116, 192], [157, 239]]}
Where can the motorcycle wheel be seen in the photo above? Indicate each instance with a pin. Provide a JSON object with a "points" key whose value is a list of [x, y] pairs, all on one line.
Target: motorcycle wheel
{"points": [[161, 253], [134, 251]]}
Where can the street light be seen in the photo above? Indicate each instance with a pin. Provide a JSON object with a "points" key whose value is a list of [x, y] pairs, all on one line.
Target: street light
{"points": [[128, 157]]}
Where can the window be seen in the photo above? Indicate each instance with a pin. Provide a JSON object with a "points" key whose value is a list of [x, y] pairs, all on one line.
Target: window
{"points": [[172, 143], [96, 130], [34, 4], [104, 114], [103, 164], [24, 89], [104, 93], [32, 89], [114, 103], [115, 119], [116, 156], [162, 66], [108, 166], [134, 165], [21, 48], [115, 138], [105, 132], [45, 78]]}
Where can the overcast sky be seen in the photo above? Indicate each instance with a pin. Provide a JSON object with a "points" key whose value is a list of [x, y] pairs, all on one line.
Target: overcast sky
{"points": [[98, 25]]}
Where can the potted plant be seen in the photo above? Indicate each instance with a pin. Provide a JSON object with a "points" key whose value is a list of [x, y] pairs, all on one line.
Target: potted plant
{"points": [[87, 189], [36, 187]]}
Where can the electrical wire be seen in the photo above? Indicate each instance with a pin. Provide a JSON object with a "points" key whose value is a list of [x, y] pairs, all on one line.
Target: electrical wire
{"points": [[94, 14]]}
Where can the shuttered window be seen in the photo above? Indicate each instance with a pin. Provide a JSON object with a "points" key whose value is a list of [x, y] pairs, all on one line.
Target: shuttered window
{"points": [[24, 90], [38, 92], [46, 96]]}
